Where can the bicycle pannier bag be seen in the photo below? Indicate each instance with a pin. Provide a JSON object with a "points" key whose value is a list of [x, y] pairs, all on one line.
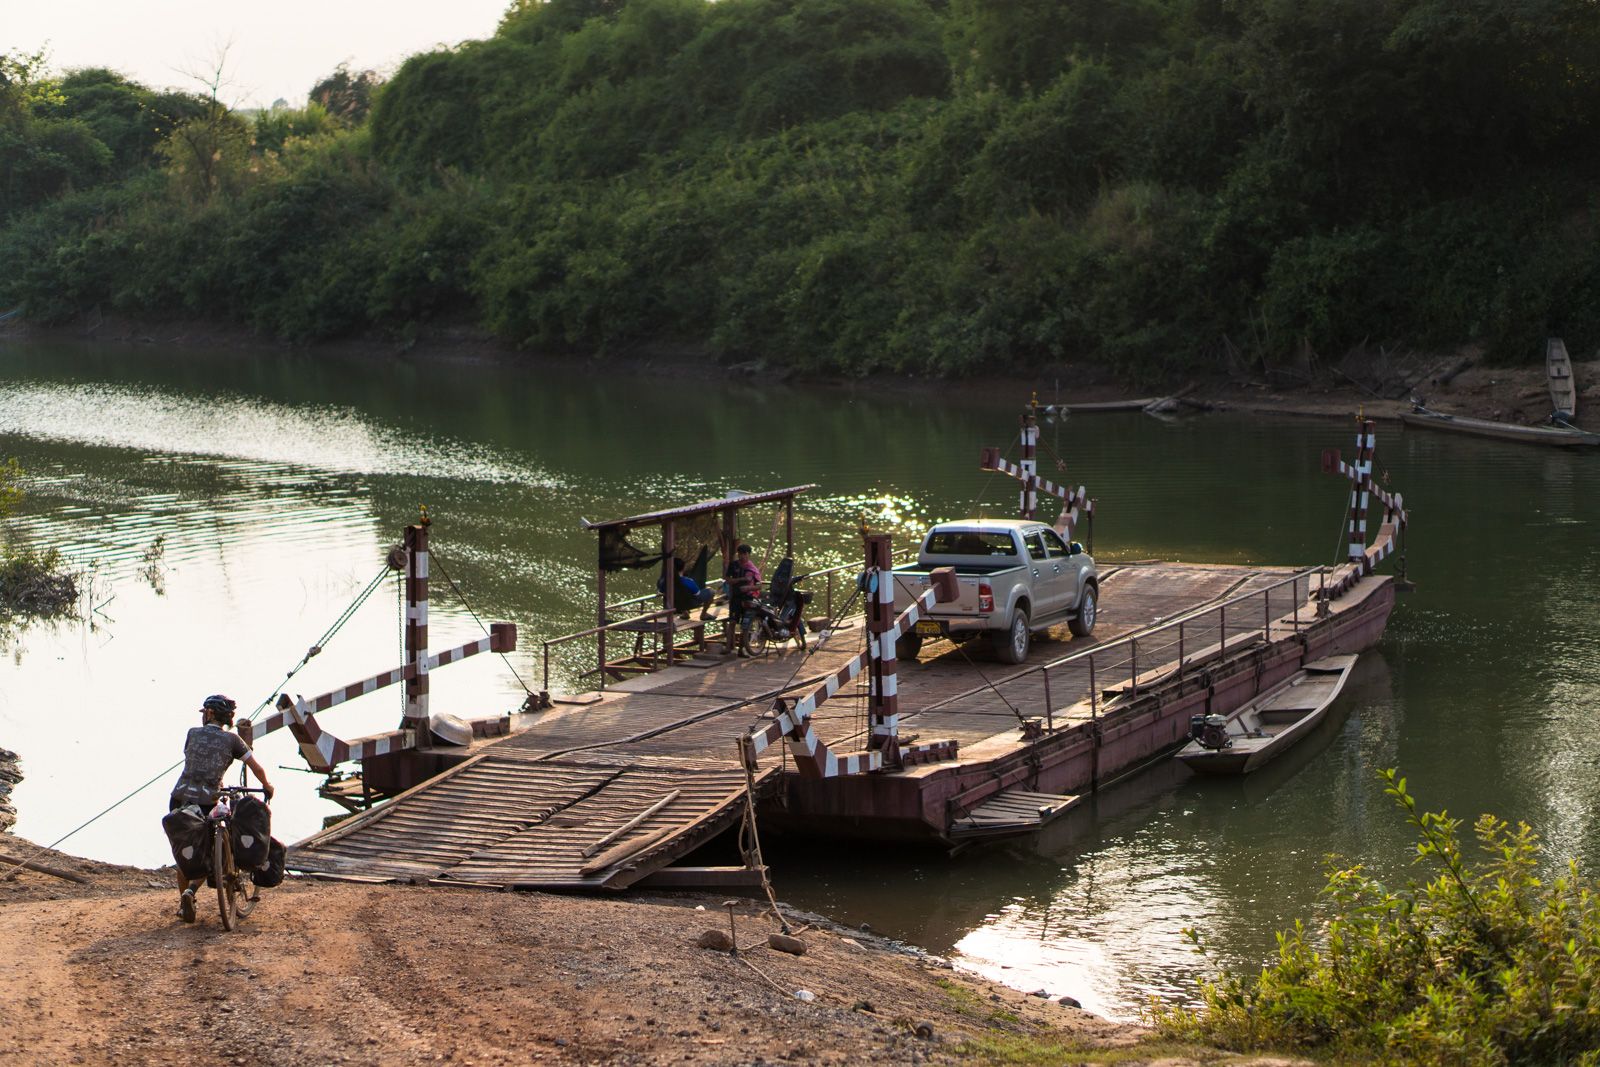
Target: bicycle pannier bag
{"points": [[186, 832], [271, 875], [252, 832]]}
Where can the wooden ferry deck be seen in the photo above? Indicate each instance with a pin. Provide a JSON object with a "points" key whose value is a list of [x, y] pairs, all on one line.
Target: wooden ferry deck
{"points": [[542, 808]]}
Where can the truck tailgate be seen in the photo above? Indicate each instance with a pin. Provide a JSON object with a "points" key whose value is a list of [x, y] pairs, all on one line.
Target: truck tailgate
{"points": [[912, 584]]}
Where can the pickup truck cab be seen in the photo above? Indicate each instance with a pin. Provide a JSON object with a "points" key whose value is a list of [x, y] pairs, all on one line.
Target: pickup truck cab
{"points": [[1015, 577]]}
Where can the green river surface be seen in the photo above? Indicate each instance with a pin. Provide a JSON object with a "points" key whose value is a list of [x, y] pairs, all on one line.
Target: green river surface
{"points": [[227, 507]]}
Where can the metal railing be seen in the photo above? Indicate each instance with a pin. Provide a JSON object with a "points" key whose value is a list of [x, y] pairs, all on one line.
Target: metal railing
{"points": [[1197, 636], [633, 625]]}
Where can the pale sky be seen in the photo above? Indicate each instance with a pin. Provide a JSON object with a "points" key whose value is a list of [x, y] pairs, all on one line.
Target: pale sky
{"points": [[280, 48]]}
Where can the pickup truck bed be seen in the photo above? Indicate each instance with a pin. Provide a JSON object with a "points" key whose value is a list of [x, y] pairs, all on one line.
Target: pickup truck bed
{"points": [[1014, 578]]}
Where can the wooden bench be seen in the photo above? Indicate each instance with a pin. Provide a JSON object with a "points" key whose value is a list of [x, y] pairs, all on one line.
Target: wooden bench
{"points": [[667, 647]]}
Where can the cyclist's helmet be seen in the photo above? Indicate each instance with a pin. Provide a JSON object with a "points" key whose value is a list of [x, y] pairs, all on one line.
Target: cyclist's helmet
{"points": [[220, 707]]}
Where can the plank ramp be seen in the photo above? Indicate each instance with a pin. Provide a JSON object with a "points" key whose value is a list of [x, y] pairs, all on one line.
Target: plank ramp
{"points": [[1011, 812], [504, 821]]}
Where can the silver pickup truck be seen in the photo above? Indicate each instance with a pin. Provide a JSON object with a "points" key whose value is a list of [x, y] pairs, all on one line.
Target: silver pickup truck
{"points": [[1016, 578]]}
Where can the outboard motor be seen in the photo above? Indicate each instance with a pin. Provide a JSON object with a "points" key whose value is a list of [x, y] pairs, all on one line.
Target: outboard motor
{"points": [[1211, 731]]}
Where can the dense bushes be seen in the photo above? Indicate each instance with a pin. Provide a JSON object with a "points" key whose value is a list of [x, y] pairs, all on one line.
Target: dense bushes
{"points": [[853, 185], [1491, 962]]}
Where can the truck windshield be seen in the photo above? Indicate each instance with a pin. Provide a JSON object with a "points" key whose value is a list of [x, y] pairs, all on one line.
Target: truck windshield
{"points": [[970, 543]]}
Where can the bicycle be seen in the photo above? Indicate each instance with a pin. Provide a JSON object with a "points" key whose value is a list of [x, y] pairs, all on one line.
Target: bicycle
{"points": [[232, 900]]}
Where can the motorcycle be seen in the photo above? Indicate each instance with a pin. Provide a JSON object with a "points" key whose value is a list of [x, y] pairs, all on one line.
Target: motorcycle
{"points": [[779, 614]]}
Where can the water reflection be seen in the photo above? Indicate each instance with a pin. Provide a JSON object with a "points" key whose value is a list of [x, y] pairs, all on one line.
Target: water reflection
{"points": [[273, 483]]}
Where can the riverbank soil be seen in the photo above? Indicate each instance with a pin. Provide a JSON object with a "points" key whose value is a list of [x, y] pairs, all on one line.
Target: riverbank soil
{"points": [[1375, 381], [368, 974]]}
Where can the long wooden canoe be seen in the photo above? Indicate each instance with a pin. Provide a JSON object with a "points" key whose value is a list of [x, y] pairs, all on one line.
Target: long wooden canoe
{"points": [[1557, 436], [1136, 404], [1563, 388], [1264, 728]]}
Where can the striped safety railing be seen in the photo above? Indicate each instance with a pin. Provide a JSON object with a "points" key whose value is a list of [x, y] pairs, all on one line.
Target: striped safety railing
{"points": [[813, 757]]}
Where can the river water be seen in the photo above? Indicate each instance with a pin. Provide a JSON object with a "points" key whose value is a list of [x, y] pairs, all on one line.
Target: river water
{"points": [[225, 509]]}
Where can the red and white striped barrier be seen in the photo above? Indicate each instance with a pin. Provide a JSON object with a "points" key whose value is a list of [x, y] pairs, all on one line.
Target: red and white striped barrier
{"points": [[323, 751], [1362, 558], [813, 757], [1074, 501]]}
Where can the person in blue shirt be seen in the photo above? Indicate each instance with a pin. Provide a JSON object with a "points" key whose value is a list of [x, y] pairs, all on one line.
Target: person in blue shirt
{"points": [[686, 592]]}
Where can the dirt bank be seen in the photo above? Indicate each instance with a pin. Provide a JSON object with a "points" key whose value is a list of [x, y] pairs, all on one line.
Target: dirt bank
{"points": [[336, 973], [1376, 381]]}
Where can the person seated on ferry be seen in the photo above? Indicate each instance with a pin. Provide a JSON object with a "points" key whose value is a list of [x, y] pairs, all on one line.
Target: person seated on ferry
{"points": [[686, 592]]}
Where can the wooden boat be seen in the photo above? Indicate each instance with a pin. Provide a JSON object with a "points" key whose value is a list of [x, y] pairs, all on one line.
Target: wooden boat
{"points": [[1558, 436], [1563, 387], [1138, 404], [1267, 726]]}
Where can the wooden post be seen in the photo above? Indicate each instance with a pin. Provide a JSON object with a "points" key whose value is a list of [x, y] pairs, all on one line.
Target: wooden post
{"points": [[600, 638], [788, 526], [669, 549], [416, 709], [883, 700], [730, 541], [1049, 709], [1133, 665], [1094, 730], [1094, 692], [1180, 648], [1029, 464]]}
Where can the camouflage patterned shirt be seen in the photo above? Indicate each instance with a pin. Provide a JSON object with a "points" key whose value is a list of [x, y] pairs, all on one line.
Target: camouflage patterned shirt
{"points": [[208, 752]]}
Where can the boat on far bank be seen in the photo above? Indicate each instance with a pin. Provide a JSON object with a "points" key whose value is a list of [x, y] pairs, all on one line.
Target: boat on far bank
{"points": [[1563, 387], [1556, 436], [1265, 728]]}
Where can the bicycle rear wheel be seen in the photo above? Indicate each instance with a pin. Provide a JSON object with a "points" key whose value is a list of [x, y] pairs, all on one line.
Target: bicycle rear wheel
{"points": [[222, 872], [246, 895]]}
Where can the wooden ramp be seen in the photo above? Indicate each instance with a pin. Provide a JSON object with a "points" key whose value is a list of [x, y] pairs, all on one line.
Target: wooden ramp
{"points": [[1008, 813], [505, 821]]}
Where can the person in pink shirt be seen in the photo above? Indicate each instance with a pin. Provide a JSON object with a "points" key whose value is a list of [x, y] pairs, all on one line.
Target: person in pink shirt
{"points": [[744, 592]]}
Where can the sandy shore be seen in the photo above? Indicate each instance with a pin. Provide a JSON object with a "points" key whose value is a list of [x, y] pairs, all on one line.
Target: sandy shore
{"points": [[368, 974]]}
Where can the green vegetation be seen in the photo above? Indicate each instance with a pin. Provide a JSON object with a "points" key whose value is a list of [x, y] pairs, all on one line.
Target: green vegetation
{"points": [[1484, 963], [928, 186], [32, 582]]}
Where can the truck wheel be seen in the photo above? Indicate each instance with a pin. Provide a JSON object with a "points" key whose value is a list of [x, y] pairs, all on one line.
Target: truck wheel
{"points": [[1082, 624], [907, 645], [1011, 644]]}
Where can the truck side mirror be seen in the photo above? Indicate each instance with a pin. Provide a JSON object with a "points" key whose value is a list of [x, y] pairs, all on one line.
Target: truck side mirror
{"points": [[945, 586], [1074, 549]]}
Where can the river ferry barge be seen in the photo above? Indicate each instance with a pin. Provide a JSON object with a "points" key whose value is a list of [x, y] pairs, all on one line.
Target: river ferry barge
{"points": [[682, 739]]}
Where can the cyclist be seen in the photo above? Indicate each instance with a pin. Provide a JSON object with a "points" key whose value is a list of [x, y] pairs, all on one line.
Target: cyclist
{"points": [[208, 751]]}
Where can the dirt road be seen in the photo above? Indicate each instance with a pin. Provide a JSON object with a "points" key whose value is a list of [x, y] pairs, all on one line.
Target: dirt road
{"points": [[366, 974]]}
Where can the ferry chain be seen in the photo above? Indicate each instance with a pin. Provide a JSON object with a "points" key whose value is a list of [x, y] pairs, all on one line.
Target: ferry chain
{"points": [[961, 647], [434, 556], [310, 654]]}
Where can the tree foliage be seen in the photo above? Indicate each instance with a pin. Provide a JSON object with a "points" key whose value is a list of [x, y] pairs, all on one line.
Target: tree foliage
{"points": [[1487, 962], [933, 186]]}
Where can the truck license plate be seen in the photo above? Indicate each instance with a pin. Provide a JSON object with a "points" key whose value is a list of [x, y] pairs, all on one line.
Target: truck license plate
{"points": [[928, 628]]}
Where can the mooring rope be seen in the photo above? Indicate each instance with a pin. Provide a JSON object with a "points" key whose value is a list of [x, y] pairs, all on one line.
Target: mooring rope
{"points": [[434, 554], [310, 653]]}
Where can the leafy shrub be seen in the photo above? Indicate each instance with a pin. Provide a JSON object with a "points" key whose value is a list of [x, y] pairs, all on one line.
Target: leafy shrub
{"points": [[1485, 962]]}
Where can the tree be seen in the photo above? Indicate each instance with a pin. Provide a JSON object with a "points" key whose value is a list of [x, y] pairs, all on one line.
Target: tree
{"points": [[209, 153], [346, 96]]}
